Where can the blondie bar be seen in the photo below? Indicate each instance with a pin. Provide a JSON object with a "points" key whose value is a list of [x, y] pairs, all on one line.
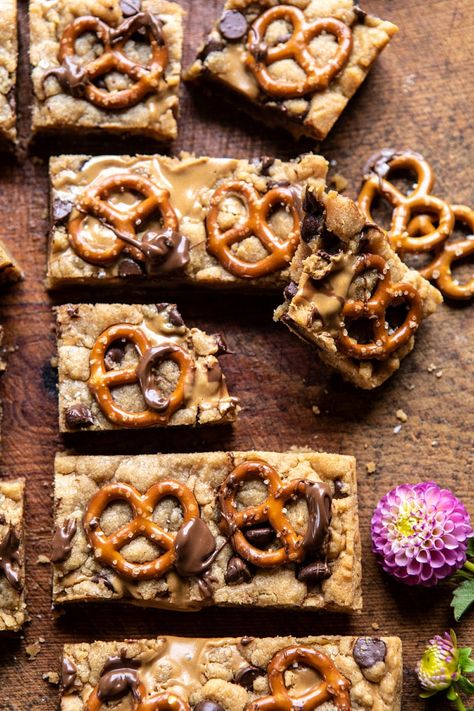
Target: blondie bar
{"points": [[8, 67], [294, 63], [350, 293], [235, 674], [135, 366], [10, 270], [106, 65], [185, 531], [155, 219], [12, 556]]}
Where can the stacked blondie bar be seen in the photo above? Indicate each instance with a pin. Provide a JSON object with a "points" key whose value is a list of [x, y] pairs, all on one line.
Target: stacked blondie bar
{"points": [[225, 528]]}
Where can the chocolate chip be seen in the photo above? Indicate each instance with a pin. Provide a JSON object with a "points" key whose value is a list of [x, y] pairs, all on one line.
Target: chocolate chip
{"points": [[339, 490], [237, 572], [130, 7], [368, 651], [233, 25], [207, 705], [68, 675], [213, 45], [278, 184], [61, 209], [290, 291], [78, 416], [266, 163], [311, 227], [360, 13], [222, 348], [72, 310], [162, 306], [175, 317], [114, 355], [129, 268], [102, 577], [246, 640], [314, 573], [246, 676], [312, 204], [260, 536]]}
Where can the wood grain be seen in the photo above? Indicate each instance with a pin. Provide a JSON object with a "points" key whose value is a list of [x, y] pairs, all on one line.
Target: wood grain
{"points": [[417, 96]]}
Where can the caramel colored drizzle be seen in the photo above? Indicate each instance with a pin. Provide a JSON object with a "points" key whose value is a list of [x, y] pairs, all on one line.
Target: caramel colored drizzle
{"points": [[294, 547], [107, 547], [102, 381], [333, 687], [259, 210], [79, 79], [95, 202], [413, 227], [386, 294], [261, 57]]}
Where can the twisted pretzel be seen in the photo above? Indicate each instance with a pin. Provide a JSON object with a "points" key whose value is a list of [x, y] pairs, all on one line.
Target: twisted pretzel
{"points": [[145, 78], [258, 211], [261, 56], [333, 687], [101, 380], [375, 308], [107, 547], [165, 701], [94, 202], [406, 207], [271, 510]]}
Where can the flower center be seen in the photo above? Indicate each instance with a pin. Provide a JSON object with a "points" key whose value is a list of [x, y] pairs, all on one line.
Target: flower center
{"points": [[406, 524]]}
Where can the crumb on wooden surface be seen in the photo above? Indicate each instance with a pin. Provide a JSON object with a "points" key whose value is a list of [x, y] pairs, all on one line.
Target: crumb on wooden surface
{"points": [[401, 415]]}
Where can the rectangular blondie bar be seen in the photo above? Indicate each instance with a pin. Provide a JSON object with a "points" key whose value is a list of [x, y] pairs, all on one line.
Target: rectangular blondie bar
{"points": [[206, 221], [295, 63], [8, 67], [135, 366], [241, 529], [12, 556], [10, 270], [236, 674], [106, 65], [350, 294]]}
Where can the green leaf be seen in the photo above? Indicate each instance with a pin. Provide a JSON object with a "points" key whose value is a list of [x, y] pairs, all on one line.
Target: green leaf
{"points": [[466, 686], [427, 694], [466, 664], [470, 547], [463, 598], [452, 694]]}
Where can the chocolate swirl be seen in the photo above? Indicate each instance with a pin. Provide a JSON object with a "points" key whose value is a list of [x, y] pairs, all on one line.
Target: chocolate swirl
{"points": [[61, 545]]}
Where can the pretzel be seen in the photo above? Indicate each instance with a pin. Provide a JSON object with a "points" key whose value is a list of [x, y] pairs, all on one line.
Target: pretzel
{"points": [[375, 308], [406, 207], [94, 202], [258, 211], [271, 510], [165, 701], [334, 687], [107, 547], [101, 380], [145, 78], [439, 270], [261, 57]]}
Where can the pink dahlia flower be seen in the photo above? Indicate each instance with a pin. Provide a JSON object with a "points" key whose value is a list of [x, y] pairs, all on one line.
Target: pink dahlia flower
{"points": [[420, 533]]}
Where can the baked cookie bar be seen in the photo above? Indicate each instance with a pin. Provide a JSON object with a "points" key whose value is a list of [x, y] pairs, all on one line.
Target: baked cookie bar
{"points": [[8, 66], [185, 531], [155, 219], [10, 270], [12, 557], [106, 65], [135, 366], [295, 63], [350, 293], [235, 674]]}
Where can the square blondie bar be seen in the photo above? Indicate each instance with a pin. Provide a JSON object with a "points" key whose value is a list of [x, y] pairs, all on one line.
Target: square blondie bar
{"points": [[106, 65], [8, 67], [135, 366], [236, 674], [295, 63], [350, 295], [242, 529], [12, 556], [218, 222]]}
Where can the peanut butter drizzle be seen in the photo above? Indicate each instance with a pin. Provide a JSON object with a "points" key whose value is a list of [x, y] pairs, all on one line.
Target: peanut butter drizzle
{"points": [[235, 70]]}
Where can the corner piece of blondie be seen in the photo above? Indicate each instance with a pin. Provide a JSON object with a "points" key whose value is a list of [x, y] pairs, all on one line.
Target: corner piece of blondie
{"points": [[12, 556], [351, 295], [8, 68]]}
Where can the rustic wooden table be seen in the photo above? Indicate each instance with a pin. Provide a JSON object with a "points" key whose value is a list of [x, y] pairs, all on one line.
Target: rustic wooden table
{"points": [[419, 95]]}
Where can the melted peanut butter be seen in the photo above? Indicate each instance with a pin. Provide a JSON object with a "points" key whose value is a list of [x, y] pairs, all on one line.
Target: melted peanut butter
{"points": [[234, 60]]}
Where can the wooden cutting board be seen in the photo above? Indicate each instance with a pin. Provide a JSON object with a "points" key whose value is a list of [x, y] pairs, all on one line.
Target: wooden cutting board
{"points": [[419, 95]]}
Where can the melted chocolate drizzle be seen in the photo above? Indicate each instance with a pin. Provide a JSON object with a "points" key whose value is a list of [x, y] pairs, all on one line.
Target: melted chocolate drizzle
{"points": [[147, 376], [68, 675], [118, 678], [319, 500], [10, 558], [195, 548], [61, 545]]}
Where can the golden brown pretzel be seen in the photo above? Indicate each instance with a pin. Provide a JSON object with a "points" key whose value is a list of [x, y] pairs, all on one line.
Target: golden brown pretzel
{"points": [[271, 510], [165, 701], [407, 207], [107, 547], [145, 78], [101, 380], [333, 687], [258, 211], [94, 202], [375, 308], [260, 56]]}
